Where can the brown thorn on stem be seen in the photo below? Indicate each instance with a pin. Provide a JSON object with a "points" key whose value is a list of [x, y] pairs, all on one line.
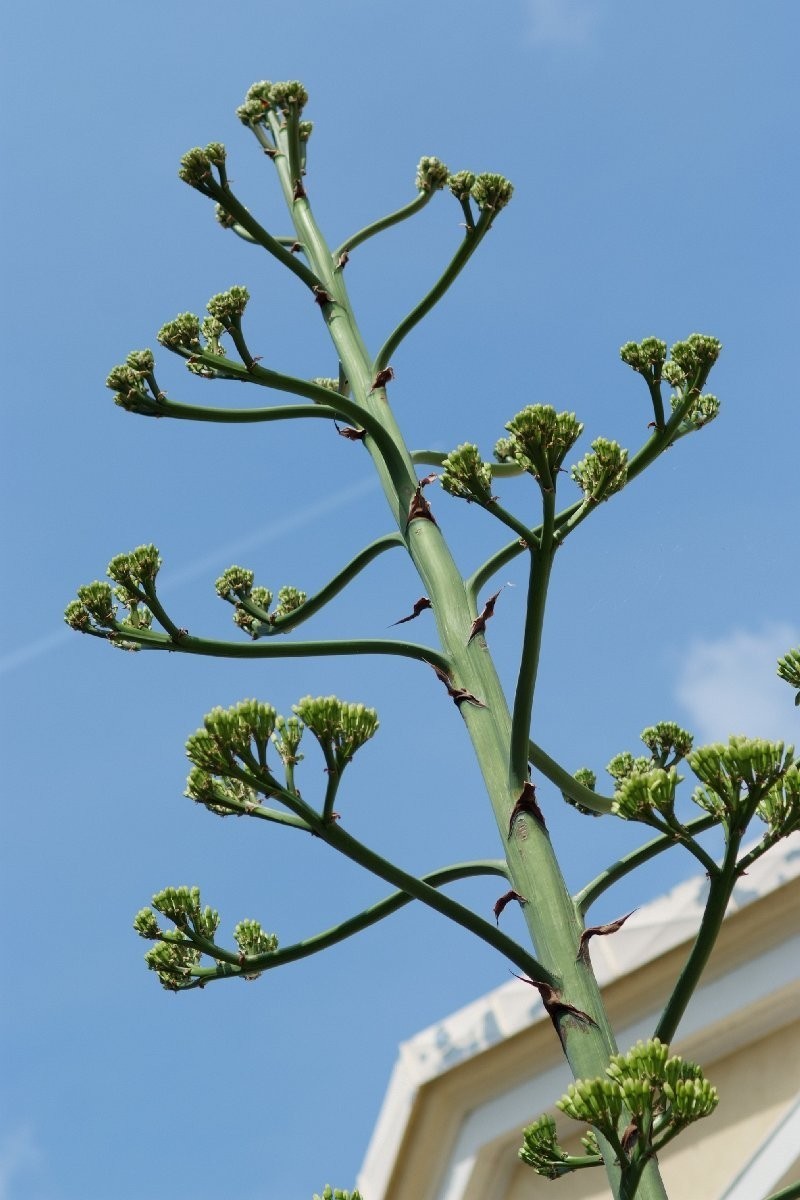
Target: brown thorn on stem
{"points": [[419, 509], [299, 192], [347, 431], [479, 624], [601, 930], [505, 899], [321, 296], [382, 378], [419, 606], [459, 696], [342, 261], [556, 1008], [526, 803]]}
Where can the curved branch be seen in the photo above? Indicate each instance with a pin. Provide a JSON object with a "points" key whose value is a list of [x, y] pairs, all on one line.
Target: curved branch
{"points": [[459, 260], [314, 603], [394, 218], [560, 776], [235, 416], [586, 897], [147, 639], [338, 933]]}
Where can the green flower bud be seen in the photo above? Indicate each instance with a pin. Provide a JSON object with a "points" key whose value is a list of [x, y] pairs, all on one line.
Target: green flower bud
{"points": [[136, 570], [587, 777], [541, 1149], [491, 192], [461, 184], [432, 175], [673, 374], [340, 728], [304, 130], [173, 963], [330, 385], [696, 356], [146, 925], [182, 334], [738, 776], [644, 1061], [603, 471], [235, 584], [195, 168], [252, 112], [97, 600], [288, 96], [251, 939], [77, 617], [789, 669], [141, 360], [665, 739], [504, 452], [541, 438], [215, 153], [598, 1102], [212, 330], [228, 307], [640, 794], [286, 739], [704, 409], [124, 379], [466, 475], [289, 599], [646, 356], [623, 765]]}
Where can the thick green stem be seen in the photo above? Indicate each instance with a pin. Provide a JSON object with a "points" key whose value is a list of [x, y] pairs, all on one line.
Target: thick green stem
{"points": [[551, 917]]}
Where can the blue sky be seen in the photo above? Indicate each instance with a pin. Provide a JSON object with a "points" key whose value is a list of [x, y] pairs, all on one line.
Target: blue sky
{"points": [[654, 157]]}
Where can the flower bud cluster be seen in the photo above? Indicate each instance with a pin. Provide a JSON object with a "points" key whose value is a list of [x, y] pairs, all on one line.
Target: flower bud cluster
{"points": [[233, 739], [228, 307], [737, 777], [182, 335], [694, 359], [587, 779], [667, 742], [541, 1149], [541, 438], [285, 98], [182, 906], [130, 379], [638, 796], [461, 184], [660, 1093], [136, 571], [224, 797], [789, 669], [195, 166], [340, 728], [647, 357], [325, 381], [251, 939], [780, 807], [432, 175], [173, 963], [491, 192], [466, 475], [329, 1193], [603, 471], [289, 600], [702, 410]]}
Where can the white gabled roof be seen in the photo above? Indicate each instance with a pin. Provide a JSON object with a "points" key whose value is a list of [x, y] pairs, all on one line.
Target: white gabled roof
{"points": [[653, 930]]}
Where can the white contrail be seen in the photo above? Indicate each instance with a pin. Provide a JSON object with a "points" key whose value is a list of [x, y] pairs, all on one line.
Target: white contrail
{"points": [[199, 566]]}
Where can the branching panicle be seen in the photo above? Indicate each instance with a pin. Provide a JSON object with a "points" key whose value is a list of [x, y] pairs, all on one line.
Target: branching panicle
{"points": [[466, 475]]}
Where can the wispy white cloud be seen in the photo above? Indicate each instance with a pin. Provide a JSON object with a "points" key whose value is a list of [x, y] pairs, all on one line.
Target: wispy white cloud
{"points": [[729, 685], [198, 567], [19, 1154], [562, 22]]}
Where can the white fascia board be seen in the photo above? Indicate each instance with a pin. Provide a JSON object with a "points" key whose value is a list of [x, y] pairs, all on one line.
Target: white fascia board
{"points": [[774, 1157]]}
